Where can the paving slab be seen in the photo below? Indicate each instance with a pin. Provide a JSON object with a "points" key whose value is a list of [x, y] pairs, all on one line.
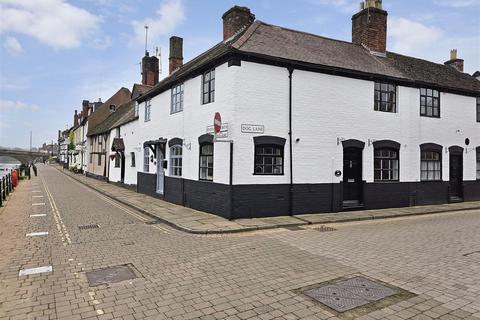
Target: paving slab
{"points": [[198, 222]]}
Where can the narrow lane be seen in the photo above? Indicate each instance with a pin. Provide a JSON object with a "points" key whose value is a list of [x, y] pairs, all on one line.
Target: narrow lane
{"points": [[242, 276]]}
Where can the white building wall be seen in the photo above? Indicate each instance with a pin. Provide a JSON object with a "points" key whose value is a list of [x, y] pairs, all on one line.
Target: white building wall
{"points": [[328, 107], [189, 124]]}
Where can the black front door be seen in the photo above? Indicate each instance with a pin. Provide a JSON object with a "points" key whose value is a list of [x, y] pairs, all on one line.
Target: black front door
{"points": [[352, 176], [122, 168], [456, 176]]}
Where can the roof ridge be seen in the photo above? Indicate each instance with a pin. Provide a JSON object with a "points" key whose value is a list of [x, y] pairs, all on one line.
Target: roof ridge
{"points": [[248, 32], [308, 33]]}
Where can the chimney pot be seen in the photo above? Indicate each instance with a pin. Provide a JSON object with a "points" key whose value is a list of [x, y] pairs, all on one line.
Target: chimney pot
{"points": [[235, 20], [369, 26], [454, 62], [176, 54]]}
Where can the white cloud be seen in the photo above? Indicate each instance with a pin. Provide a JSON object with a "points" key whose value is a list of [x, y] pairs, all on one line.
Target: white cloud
{"points": [[6, 105], [13, 46], [457, 3], [53, 22], [169, 16], [410, 37]]}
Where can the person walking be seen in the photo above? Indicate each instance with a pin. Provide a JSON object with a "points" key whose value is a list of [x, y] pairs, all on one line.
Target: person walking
{"points": [[27, 170], [34, 169]]}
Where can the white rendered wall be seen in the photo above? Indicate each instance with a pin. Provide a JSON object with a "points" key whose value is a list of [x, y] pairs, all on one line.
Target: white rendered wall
{"points": [[328, 107]]}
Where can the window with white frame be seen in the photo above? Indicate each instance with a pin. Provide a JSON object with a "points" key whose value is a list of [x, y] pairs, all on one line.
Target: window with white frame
{"points": [[431, 165], [386, 164], [176, 161], [177, 99], [148, 110], [136, 108], [146, 159]]}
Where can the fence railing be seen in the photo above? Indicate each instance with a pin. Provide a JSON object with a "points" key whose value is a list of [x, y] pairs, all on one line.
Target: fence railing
{"points": [[6, 187]]}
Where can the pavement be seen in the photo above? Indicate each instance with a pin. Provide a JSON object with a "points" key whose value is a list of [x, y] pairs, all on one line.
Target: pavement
{"points": [[198, 222], [245, 275]]}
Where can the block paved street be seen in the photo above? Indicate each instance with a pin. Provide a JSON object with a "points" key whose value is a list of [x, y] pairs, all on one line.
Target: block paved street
{"points": [[252, 275]]}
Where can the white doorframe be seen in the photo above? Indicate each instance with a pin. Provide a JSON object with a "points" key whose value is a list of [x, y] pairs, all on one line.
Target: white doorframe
{"points": [[160, 170]]}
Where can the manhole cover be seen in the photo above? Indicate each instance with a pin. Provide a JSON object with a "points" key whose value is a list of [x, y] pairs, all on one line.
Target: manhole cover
{"points": [[349, 294], [294, 228], [324, 229], [89, 226], [110, 275]]}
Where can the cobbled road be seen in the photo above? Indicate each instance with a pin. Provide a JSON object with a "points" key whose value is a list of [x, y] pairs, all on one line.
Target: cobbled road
{"points": [[239, 276]]}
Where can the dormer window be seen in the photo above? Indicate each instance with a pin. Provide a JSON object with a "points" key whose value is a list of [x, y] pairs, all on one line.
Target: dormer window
{"points": [[136, 108], [385, 97], [112, 108]]}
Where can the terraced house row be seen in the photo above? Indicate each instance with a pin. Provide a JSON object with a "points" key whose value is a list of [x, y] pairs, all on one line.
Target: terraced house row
{"points": [[303, 124]]}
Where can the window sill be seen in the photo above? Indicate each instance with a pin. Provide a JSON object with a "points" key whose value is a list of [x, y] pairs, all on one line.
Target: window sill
{"points": [[205, 180], [385, 111], [175, 112], [268, 174], [425, 116], [386, 181]]}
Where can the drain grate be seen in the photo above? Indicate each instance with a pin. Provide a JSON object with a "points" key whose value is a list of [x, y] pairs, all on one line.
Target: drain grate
{"points": [[110, 275], [324, 229], [89, 226], [349, 294]]}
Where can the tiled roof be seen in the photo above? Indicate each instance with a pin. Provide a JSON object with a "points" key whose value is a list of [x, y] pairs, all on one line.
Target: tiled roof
{"points": [[124, 114], [276, 43]]}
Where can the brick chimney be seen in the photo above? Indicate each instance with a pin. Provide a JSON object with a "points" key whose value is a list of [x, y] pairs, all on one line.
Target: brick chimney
{"points": [[235, 20], [176, 54], [75, 119], [85, 107], [454, 62], [369, 26], [149, 70]]}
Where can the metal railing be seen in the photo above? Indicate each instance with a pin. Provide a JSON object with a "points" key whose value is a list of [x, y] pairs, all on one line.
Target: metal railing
{"points": [[6, 187]]}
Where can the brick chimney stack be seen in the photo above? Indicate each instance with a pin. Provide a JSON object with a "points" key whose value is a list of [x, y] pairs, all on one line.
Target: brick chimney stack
{"points": [[235, 20], [176, 54], [149, 70], [75, 119], [369, 26], [85, 107], [454, 62]]}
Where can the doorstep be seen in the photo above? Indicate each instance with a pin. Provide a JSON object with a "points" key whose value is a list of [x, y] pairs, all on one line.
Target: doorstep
{"points": [[198, 222]]}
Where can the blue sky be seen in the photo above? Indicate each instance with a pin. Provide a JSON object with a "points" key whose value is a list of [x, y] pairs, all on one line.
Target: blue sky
{"points": [[55, 53]]}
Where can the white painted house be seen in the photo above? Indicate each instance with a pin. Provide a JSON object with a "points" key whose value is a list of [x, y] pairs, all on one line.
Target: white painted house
{"points": [[309, 124]]}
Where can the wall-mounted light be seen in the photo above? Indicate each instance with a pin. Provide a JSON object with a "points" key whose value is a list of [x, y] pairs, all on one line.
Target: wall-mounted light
{"points": [[188, 145], [340, 140]]}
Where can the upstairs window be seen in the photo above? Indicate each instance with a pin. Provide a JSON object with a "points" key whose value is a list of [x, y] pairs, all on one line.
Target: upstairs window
{"points": [[146, 159], [385, 97], [208, 86], [429, 103], [177, 99], [113, 108], [136, 109], [176, 161], [386, 164], [431, 166], [147, 110]]}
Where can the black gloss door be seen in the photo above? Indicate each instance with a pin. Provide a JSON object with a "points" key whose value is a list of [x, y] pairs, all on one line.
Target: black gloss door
{"points": [[122, 169], [352, 177], [456, 176]]}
